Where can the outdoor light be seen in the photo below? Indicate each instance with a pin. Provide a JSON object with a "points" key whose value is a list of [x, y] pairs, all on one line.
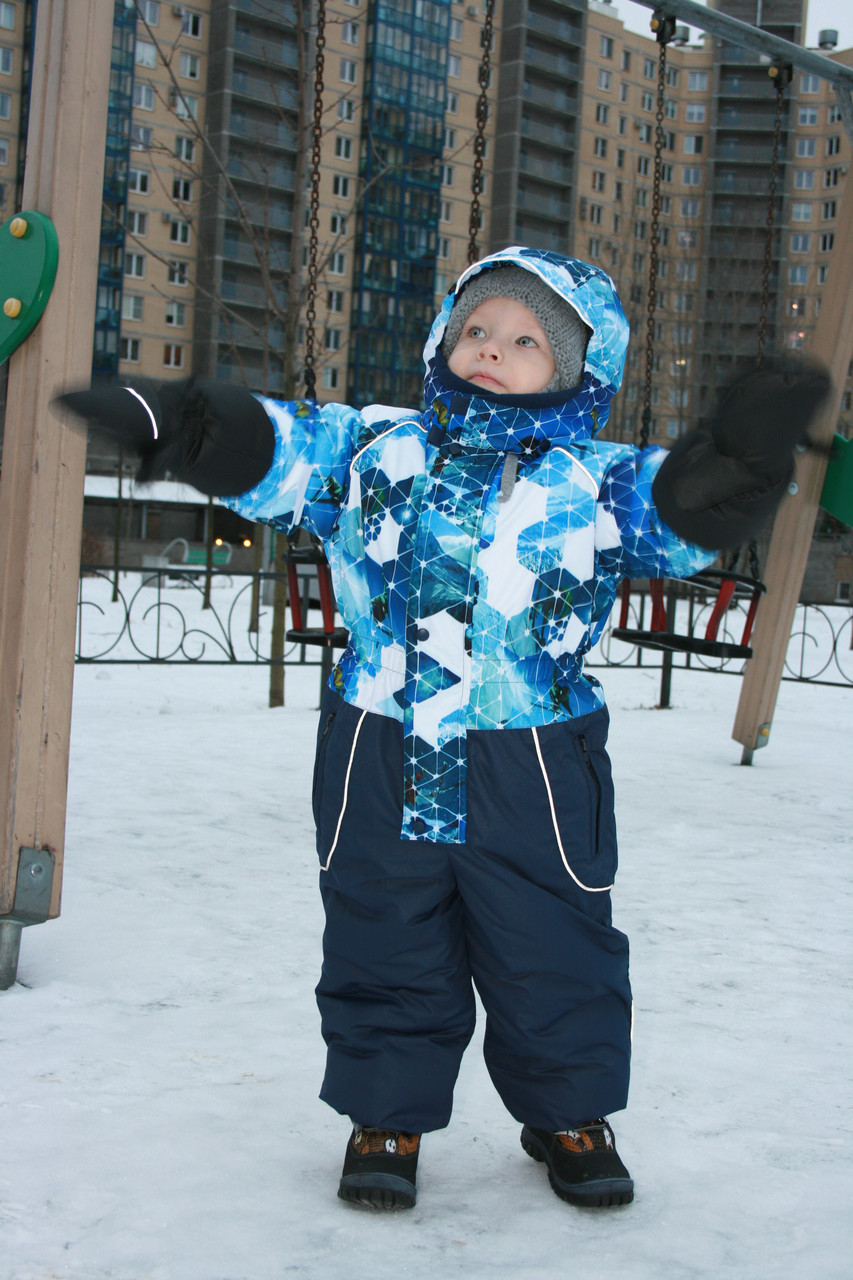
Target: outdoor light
{"points": [[218, 542], [247, 542]]}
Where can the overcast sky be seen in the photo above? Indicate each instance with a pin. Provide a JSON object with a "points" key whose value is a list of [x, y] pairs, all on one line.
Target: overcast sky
{"points": [[821, 14]]}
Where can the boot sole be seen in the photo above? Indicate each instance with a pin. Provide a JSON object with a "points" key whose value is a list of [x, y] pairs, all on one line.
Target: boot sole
{"points": [[377, 1191], [598, 1193]]}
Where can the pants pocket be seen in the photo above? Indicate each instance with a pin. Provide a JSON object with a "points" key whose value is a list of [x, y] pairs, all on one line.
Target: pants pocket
{"points": [[337, 741], [576, 775]]}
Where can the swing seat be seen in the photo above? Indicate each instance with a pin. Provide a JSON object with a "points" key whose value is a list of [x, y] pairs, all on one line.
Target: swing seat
{"points": [[729, 588], [328, 636]]}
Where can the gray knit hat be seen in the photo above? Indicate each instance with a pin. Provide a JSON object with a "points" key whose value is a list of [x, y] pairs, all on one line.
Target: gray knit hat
{"points": [[563, 327]]}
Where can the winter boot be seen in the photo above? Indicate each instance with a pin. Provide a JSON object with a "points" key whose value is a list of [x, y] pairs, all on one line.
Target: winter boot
{"points": [[583, 1166], [380, 1168]]}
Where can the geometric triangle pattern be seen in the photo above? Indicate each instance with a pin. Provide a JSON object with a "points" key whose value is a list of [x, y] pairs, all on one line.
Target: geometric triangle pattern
{"points": [[469, 607]]}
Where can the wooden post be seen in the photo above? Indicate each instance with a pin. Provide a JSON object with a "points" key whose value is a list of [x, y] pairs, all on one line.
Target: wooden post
{"points": [[792, 533], [41, 490]]}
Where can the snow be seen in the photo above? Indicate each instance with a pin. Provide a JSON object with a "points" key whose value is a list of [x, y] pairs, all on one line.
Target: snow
{"points": [[160, 1056]]}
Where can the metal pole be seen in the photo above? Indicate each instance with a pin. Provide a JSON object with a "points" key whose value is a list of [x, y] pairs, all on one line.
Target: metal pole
{"points": [[41, 489], [750, 37]]}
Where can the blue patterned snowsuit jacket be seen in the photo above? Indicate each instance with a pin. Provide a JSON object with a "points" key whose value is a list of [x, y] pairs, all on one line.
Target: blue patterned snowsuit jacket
{"points": [[466, 611]]}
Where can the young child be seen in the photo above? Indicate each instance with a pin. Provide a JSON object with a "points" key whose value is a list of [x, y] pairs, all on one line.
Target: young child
{"points": [[462, 793]]}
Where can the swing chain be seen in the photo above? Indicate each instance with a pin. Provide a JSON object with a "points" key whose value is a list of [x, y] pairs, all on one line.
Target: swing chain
{"points": [[781, 82], [664, 27], [314, 207], [484, 76]]}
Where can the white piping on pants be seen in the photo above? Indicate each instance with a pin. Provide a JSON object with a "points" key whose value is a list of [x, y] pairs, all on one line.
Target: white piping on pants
{"points": [[589, 888], [325, 866]]}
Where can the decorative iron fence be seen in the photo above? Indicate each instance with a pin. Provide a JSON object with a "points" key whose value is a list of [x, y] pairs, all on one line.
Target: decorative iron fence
{"points": [[158, 616]]}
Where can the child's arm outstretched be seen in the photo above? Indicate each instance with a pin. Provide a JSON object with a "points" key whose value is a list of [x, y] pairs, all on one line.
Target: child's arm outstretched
{"points": [[721, 483]]}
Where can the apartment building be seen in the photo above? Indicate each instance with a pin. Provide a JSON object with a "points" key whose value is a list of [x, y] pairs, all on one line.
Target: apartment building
{"points": [[208, 166]]}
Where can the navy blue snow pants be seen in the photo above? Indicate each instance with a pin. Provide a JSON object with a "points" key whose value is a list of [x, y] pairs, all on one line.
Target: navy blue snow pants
{"points": [[410, 925]]}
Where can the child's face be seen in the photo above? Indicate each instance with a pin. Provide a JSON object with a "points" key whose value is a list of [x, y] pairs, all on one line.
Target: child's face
{"points": [[503, 349]]}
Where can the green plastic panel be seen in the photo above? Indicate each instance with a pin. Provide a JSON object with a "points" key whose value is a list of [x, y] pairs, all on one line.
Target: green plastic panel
{"points": [[837, 495], [27, 271]]}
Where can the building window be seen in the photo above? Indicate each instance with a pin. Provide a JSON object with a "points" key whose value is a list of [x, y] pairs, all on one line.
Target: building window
{"points": [[666, 173], [141, 137], [338, 264], [600, 148], [695, 113], [454, 66], [448, 175], [444, 246], [671, 109], [797, 307], [626, 60], [456, 29], [647, 101], [697, 81], [179, 232], [827, 240], [7, 16], [833, 145], [672, 74], [830, 177], [186, 106], [805, 146], [801, 212], [596, 214], [130, 349], [822, 273], [349, 71], [599, 180], [804, 180], [828, 210], [450, 139], [176, 314], [150, 11], [649, 68], [800, 243], [645, 132], [623, 92], [145, 54], [177, 272], [446, 211], [137, 222], [691, 177], [623, 126], [182, 189], [131, 306], [137, 181], [349, 33], [173, 355], [617, 192], [683, 302], [185, 148], [332, 339], [604, 80], [329, 378], [685, 270], [639, 230], [335, 301], [807, 115], [595, 247], [620, 158], [340, 186], [809, 84], [143, 96], [338, 224], [602, 113], [690, 208], [642, 198], [191, 24], [687, 239], [343, 148], [190, 66], [4, 151], [798, 275], [134, 265], [346, 110], [693, 145], [452, 102]]}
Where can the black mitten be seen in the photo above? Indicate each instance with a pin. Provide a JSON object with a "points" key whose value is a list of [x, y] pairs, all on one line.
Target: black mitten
{"points": [[213, 435], [721, 483]]}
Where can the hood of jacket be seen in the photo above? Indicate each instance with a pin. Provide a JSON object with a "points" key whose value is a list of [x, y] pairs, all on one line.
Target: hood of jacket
{"points": [[513, 422]]}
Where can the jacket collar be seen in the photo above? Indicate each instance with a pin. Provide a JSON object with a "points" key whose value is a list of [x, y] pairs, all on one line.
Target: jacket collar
{"points": [[519, 424]]}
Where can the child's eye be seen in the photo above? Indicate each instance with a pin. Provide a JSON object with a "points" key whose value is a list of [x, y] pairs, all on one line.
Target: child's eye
{"points": [[527, 342], [476, 331]]}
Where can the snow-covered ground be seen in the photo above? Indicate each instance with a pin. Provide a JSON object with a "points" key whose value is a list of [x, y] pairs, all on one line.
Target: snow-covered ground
{"points": [[160, 1056]]}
